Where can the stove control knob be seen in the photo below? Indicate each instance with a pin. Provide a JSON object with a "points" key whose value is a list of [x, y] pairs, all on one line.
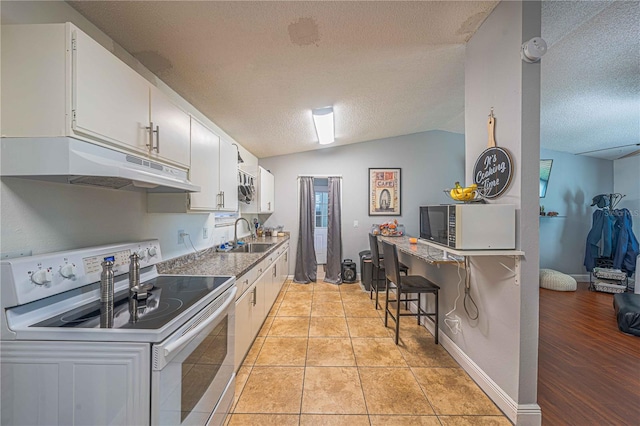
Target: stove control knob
{"points": [[152, 251], [142, 254], [42, 277], [68, 270]]}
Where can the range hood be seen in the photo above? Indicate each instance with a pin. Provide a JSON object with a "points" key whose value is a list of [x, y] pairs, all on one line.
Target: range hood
{"points": [[78, 162]]}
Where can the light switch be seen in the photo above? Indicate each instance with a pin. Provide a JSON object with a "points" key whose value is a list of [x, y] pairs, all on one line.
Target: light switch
{"points": [[355, 223]]}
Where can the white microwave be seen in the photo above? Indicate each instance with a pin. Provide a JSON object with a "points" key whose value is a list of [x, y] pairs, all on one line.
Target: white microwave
{"points": [[470, 226]]}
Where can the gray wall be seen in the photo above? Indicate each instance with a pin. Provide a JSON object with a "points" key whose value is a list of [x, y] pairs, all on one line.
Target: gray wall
{"points": [[430, 161], [504, 342], [626, 180], [574, 180]]}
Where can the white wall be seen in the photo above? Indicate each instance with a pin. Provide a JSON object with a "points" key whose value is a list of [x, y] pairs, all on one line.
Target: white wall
{"points": [[505, 343], [430, 162], [626, 180], [574, 181], [45, 217]]}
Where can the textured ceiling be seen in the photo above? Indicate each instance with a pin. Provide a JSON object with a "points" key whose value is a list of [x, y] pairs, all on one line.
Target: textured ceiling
{"points": [[590, 93], [388, 68], [258, 68]]}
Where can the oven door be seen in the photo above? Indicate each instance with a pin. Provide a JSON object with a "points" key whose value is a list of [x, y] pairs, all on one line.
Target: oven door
{"points": [[193, 367]]}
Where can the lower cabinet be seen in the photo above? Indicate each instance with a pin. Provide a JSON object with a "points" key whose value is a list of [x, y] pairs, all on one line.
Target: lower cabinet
{"points": [[253, 306]]}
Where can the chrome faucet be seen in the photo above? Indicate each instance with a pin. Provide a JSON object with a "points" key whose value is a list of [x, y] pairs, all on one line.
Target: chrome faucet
{"points": [[235, 230]]}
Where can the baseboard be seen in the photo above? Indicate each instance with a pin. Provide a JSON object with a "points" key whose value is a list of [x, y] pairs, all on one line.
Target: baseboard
{"points": [[520, 415], [581, 278]]}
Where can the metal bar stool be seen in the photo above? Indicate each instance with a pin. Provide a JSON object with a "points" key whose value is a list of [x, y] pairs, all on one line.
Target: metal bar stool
{"points": [[414, 284], [377, 267]]}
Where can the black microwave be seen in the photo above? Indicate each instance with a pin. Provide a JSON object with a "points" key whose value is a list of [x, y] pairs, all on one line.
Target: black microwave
{"points": [[469, 226]]}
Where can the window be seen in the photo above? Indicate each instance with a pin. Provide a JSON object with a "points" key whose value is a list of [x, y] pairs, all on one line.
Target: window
{"points": [[322, 202]]}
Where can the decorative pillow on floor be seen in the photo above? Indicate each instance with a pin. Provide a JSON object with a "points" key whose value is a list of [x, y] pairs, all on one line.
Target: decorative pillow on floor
{"points": [[555, 280]]}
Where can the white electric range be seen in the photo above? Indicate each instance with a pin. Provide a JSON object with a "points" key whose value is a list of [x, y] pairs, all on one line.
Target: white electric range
{"points": [[166, 360]]}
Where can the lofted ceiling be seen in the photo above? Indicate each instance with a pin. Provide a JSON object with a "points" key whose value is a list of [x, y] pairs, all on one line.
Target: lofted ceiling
{"points": [[389, 68]]}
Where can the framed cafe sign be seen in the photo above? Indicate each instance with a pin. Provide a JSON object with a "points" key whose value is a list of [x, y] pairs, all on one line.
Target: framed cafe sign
{"points": [[384, 192], [493, 169]]}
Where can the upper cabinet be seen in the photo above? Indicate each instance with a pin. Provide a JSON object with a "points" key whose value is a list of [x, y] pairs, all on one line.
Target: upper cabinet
{"points": [[214, 166], [264, 202], [57, 81]]}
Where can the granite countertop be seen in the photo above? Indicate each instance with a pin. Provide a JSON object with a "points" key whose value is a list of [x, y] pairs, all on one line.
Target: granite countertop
{"points": [[420, 250], [210, 262]]}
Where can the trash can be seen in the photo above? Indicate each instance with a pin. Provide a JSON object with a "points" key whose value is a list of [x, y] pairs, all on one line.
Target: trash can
{"points": [[365, 268]]}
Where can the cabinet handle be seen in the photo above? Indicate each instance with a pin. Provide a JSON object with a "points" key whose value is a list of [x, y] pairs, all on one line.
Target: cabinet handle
{"points": [[157, 139], [269, 205], [223, 202], [255, 298], [275, 273], [151, 132], [286, 257], [259, 271]]}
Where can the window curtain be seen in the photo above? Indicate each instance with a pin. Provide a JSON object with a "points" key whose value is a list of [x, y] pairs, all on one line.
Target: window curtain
{"points": [[306, 265], [334, 233]]}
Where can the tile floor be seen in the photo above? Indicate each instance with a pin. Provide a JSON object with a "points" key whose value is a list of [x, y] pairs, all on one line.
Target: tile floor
{"points": [[324, 357]]}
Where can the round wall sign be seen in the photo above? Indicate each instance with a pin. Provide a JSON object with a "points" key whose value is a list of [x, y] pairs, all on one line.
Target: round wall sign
{"points": [[493, 171]]}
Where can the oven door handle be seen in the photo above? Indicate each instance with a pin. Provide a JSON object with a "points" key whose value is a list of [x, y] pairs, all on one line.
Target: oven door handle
{"points": [[188, 337]]}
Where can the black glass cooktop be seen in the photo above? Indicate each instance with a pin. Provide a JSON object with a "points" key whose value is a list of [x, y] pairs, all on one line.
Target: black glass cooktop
{"points": [[169, 297]]}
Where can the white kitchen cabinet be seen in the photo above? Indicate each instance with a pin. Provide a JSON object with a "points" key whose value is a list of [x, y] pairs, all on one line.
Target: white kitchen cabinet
{"points": [[57, 81], [264, 201], [214, 167], [81, 383], [170, 129], [244, 334]]}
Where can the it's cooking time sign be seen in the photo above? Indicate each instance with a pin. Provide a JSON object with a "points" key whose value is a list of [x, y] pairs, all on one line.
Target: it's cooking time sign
{"points": [[493, 169]]}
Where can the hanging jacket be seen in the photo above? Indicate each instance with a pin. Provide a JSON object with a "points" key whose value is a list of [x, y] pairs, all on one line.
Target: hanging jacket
{"points": [[602, 228], [625, 243]]}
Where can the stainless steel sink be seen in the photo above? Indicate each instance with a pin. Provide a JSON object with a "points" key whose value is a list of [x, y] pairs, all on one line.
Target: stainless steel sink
{"points": [[252, 248]]}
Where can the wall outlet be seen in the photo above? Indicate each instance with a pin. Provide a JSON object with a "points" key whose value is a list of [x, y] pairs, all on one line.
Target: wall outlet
{"points": [[205, 233], [180, 236], [14, 254]]}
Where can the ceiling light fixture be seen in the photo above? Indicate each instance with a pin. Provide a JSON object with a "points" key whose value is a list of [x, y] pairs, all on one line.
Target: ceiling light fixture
{"points": [[323, 120]]}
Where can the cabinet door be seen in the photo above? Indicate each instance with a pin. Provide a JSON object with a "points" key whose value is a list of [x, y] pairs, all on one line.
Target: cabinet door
{"points": [[204, 158], [229, 175], [110, 101], [260, 311], [244, 334], [171, 141], [267, 184]]}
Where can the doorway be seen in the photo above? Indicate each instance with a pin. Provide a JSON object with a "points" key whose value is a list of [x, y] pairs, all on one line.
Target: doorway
{"points": [[321, 218]]}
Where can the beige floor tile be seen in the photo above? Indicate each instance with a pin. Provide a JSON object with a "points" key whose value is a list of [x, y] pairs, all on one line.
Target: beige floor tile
{"points": [[423, 352], [283, 351], [320, 286], [377, 352], [393, 391], [272, 390], [290, 327], [330, 352], [404, 421], [264, 330], [360, 309], [475, 421], [295, 308], [334, 420], [250, 359], [355, 296], [451, 391], [332, 390], [328, 327], [366, 327], [299, 287], [264, 420], [326, 296], [298, 296], [274, 310], [241, 380], [351, 287], [327, 309]]}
